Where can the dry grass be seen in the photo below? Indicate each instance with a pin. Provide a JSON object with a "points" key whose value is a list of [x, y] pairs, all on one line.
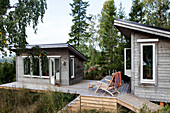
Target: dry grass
{"points": [[24, 101]]}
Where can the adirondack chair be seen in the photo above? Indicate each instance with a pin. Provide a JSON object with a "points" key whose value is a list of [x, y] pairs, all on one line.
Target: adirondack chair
{"points": [[110, 85], [97, 83]]}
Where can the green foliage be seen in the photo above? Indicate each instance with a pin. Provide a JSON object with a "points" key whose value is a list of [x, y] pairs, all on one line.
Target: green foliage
{"points": [[79, 34], [107, 33], [25, 101], [121, 12], [166, 109], [137, 12], [92, 41], [35, 52], [15, 18], [7, 71], [145, 109], [111, 41], [157, 13]]}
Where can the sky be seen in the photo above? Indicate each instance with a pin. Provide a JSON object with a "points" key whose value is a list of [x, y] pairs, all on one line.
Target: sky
{"points": [[57, 21]]}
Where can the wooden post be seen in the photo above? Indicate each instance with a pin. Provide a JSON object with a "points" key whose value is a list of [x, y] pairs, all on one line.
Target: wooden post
{"points": [[161, 103]]}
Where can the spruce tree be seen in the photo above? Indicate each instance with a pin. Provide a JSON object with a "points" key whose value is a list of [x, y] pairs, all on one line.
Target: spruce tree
{"points": [[78, 34], [137, 13], [108, 33], [157, 13]]}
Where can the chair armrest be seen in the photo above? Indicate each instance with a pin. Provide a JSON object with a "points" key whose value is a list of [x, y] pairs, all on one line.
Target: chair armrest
{"points": [[102, 83], [107, 80]]}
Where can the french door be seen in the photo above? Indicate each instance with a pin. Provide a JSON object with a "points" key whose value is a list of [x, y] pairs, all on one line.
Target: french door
{"points": [[54, 71]]}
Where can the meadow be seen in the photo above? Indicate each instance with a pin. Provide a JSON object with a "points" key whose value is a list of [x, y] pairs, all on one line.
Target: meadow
{"points": [[25, 101]]}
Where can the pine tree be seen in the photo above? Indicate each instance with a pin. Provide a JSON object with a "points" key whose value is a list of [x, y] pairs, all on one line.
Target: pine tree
{"points": [[121, 12], [92, 41], [157, 13], [137, 13], [78, 33], [108, 33], [121, 44]]}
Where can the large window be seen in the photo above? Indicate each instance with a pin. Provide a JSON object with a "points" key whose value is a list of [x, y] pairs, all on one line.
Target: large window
{"points": [[27, 65], [36, 66], [45, 68], [33, 67], [147, 63]]}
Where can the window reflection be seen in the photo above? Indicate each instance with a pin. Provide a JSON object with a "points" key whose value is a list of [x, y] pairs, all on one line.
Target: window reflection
{"points": [[147, 62]]}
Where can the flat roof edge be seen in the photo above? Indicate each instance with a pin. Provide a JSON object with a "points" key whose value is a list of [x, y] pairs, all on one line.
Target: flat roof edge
{"points": [[142, 27], [59, 45]]}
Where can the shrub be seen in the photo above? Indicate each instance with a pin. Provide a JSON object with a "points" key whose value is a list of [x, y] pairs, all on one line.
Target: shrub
{"points": [[7, 72]]}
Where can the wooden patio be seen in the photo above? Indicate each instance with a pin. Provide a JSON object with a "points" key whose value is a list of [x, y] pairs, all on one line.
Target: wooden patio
{"points": [[88, 99]]}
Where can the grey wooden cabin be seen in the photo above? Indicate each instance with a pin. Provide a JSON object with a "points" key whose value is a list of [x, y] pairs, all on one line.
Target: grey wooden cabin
{"points": [[150, 60], [64, 66]]}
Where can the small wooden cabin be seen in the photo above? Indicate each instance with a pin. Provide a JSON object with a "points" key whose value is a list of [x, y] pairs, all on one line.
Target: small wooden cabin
{"points": [[149, 68], [64, 66]]}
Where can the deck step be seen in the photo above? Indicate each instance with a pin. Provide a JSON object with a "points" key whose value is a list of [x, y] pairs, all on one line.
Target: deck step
{"points": [[74, 106], [88, 102]]}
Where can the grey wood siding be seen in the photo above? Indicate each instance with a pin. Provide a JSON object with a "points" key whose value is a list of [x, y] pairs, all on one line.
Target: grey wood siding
{"points": [[160, 91], [78, 70]]}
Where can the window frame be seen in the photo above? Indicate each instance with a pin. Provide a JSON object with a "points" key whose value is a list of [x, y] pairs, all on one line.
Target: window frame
{"points": [[72, 76], [23, 57], [154, 63], [31, 72]]}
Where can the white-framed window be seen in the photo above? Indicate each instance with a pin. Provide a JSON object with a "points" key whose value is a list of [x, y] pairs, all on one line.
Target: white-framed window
{"points": [[72, 67], [37, 70], [27, 66], [147, 66]]}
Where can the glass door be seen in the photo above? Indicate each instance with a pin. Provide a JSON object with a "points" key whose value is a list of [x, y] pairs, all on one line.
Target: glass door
{"points": [[57, 70], [127, 61]]}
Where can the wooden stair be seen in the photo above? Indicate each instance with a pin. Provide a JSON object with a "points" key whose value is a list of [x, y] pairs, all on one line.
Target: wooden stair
{"points": [[92, 102], [74, 106]]}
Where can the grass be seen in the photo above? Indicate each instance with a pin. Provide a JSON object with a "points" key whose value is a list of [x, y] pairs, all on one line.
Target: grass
{"points": [[24, 101]]}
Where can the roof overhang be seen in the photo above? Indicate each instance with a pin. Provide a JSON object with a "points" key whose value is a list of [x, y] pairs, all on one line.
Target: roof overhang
{"points": [[58, 45], [126, 26]]}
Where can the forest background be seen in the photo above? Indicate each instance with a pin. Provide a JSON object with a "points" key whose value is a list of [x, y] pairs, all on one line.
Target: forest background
{"points": [[87, 32]]}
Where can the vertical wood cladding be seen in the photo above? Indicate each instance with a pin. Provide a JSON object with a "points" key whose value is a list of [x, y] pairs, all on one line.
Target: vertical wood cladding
{"points": [[160, 91]]}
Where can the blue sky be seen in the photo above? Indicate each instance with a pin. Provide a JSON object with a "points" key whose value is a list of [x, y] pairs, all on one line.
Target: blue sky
{"points": [[57, 21]]}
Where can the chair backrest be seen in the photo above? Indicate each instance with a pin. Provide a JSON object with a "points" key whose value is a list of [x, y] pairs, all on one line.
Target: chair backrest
{"points": [[118, 79], [111, 80]]}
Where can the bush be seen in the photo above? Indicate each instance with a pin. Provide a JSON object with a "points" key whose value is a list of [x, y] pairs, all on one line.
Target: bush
{"points": [[95, 73], [7, 72]]}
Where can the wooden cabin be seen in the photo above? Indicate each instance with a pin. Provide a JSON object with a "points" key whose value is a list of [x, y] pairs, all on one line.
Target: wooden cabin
{"points": [[149, 56], [64, 66]]}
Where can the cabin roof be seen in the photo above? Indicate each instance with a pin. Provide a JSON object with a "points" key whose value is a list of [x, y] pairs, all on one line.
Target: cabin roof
{"points": [[59, 45], [127, 26]]}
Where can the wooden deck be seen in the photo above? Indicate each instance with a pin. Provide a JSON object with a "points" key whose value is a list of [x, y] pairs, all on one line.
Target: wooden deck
{"points": [[78, 88], [88, 99]]}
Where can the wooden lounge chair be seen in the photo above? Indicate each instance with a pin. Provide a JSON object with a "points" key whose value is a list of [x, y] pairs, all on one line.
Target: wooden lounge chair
{"points": [[97, 83], [110, 85]]}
